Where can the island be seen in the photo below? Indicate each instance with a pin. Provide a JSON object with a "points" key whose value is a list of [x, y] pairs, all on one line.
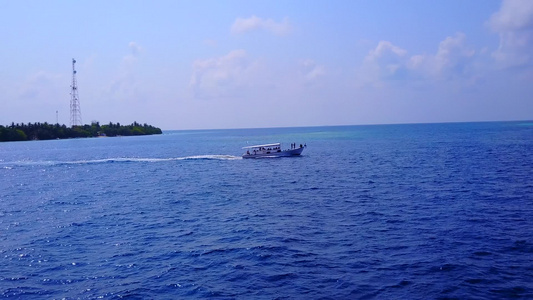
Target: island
{"points": [[46, 131]]}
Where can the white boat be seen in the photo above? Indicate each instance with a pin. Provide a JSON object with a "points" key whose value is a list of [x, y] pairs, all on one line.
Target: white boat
{"points": [[272, 150]]}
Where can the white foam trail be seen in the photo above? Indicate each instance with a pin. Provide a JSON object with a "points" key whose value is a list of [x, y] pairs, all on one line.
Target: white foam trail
{"points": [[119, 160]]}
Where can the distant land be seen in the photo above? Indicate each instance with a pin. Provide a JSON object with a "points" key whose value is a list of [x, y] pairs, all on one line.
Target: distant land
{"points": [[45, 131]]}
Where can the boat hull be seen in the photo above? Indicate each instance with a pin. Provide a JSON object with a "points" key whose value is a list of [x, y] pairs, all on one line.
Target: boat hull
{"points": [[283, 153]]}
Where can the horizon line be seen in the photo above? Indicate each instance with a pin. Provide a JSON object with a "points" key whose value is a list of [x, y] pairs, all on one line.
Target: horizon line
{"points": [[347, 125]]}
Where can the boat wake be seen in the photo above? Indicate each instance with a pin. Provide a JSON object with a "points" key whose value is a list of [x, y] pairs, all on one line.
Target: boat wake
{"points": [[10, 165]]}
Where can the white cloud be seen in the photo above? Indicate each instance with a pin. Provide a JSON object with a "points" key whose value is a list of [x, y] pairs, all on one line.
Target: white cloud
{"points": [[389, 62], [42, 86], [386, 50], [125, 86], [513, 15], [222, 76], [134, 48], [514, 23], [39, 96], [451, 59], [310, 70], [135, 52], [243, 25], [383, 62]]}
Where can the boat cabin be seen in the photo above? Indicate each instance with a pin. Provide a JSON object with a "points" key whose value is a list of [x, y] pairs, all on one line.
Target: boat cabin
{"points": [[263, 149]]}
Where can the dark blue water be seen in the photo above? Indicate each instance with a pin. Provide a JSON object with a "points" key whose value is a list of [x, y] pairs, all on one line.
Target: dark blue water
{"points": [[368, 212]]}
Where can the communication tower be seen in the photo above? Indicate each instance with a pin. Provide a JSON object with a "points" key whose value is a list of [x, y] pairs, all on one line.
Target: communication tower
{"points": [[75, 111]]}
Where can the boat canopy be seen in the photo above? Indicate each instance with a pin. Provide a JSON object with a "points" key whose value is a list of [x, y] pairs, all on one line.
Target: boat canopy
{"points": [[263, 146]]}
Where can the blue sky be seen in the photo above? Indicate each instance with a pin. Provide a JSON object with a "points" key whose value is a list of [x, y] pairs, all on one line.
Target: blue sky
{"points": [[234, 64]]}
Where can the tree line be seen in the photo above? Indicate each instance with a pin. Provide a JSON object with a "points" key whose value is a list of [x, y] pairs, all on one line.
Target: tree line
{"points": [[46, 131]]}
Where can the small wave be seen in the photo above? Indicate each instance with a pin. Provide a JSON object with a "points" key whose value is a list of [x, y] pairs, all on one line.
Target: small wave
{"points": [[211, 157], [119, 160]]}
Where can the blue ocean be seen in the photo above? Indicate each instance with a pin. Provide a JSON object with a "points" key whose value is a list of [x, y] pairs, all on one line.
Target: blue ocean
{"points": [[420, 211]]}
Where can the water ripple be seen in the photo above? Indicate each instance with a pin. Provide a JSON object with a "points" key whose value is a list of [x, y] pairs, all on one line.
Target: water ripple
{"points": [[414, 211]]}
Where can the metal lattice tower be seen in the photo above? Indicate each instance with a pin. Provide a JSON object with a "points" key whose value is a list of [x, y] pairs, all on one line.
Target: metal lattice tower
{"points": [[75, 111]]}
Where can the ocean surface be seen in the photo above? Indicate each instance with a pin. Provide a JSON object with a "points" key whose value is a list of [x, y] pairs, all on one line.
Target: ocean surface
{"points": [[423, 211]]}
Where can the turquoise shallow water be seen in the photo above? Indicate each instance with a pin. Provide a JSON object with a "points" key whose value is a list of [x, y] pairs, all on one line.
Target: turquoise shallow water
{"points": [[386, 212]]}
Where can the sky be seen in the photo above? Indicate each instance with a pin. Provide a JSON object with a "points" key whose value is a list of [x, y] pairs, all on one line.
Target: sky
{"points": [[246, 64]]}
